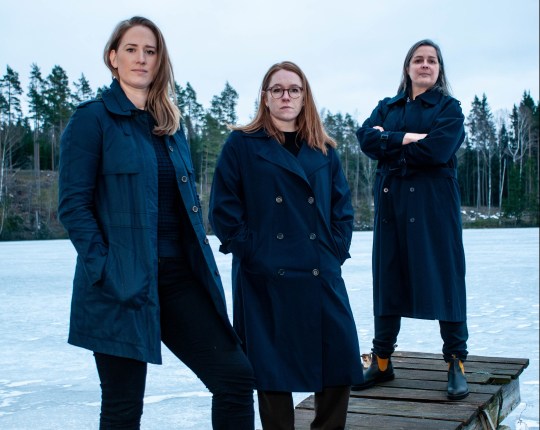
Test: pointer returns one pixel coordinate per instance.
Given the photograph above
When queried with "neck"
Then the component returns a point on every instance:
(136, 96)
(285, 125)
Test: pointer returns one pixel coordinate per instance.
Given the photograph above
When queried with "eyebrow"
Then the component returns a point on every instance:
(145, 46)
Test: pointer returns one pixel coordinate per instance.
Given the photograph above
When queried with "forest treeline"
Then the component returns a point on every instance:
(498, 162)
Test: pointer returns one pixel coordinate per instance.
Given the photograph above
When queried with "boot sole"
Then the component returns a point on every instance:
(366, 385)
(457, 396)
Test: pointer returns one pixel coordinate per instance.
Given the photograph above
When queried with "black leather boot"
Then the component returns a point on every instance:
(457, 384)
(374, 374)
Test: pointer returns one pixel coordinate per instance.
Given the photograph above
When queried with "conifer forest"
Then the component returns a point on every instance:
(497, 164)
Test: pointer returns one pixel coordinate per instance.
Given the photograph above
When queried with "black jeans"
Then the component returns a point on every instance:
(453, 334)
(192, 329)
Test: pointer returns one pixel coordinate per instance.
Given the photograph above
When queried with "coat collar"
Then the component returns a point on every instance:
(430, 97)
(116, 101)
(304, 165)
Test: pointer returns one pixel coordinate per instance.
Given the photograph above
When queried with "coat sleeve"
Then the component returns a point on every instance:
(80, 155)
(227, 211)
(342, 221)
(379, 145)
(443, 139)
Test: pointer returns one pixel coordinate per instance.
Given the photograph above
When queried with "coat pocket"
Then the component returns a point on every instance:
(126, 279)
(120, 156)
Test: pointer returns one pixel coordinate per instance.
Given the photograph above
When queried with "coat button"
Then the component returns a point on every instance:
(183, 179)
(412, 220)
(279, 199)
(195, 209)
(311, 200)
(411, 189)
(315, 272)
(281, 272)
(206, 241)
(280, 236)
(216, 272)
(312, 236)
(385, 190)
(171, 148)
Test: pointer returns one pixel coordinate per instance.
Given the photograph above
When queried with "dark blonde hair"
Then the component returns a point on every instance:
(441, 84)
(310, 127)
(159, 102)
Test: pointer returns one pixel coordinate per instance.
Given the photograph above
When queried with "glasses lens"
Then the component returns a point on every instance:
(295, 92)
(276, 92)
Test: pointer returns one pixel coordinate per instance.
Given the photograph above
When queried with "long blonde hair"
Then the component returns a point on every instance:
(159, 103)
(310, 127)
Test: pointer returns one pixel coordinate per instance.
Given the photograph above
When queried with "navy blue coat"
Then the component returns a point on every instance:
(108, 204)
(288, 222)
(418, 257)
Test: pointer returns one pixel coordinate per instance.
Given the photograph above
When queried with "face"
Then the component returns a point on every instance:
(286, 109)
(423, 69)
(136, 58)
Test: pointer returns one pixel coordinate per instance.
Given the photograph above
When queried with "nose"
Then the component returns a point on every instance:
(142, 57)
(286, 95)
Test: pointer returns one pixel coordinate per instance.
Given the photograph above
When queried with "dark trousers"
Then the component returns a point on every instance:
(192, 329)
(453, 334)
(276, 409)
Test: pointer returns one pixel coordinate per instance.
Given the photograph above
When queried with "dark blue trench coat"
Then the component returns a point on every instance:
(108, 204)
(418, 257)
(288, 222)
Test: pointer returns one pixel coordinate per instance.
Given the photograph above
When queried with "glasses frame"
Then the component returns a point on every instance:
(271, 89)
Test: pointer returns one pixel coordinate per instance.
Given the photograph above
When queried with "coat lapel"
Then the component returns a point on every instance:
(311, 160)
(274, 153)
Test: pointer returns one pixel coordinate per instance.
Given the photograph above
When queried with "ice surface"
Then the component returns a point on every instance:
(47, 384)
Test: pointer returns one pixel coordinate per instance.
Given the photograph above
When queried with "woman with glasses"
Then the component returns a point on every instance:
(281, 205)
(418, 257)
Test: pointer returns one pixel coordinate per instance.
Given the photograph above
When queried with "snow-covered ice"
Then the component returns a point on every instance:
(47, 384)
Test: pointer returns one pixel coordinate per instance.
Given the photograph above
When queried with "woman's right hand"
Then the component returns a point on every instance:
(412, 137)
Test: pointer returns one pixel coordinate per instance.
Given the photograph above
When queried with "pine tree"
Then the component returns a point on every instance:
(36, 106)
(83, 90)
(482, 136)
(58, 108)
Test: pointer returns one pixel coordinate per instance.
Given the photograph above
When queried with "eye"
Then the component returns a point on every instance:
(295, 91)
(150, 52)
(276, 91)
(130, 49)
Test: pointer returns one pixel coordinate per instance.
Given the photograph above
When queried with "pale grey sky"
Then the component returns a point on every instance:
(351, 50)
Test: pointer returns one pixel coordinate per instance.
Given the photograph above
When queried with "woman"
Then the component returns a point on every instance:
(280, 203)
(145, 272)
(418, 258)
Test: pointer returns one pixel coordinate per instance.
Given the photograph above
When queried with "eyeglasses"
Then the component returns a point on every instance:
(277, 92)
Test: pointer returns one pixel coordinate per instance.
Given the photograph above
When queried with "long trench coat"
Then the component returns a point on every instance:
(288, 222)
(108, 204)
(418, 256)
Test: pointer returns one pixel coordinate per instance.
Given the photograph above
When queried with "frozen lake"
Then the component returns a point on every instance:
(47, 384)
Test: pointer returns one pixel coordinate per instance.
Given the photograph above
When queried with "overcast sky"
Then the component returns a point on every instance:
(351, 50)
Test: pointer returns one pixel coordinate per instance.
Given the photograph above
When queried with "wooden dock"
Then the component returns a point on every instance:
(416, 399)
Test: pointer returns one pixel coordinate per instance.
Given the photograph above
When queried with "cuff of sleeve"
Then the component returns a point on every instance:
(395, 140)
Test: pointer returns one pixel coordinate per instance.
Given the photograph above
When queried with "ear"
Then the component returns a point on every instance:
(112, 58)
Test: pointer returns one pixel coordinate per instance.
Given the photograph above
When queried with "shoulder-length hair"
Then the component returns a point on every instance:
(310, 127)
(441, 84)
(159, 103)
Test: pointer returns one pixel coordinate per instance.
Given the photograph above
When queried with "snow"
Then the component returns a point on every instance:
(47, 384)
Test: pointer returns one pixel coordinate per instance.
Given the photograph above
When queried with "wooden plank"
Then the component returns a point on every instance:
(436, 411)
(304, 417)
